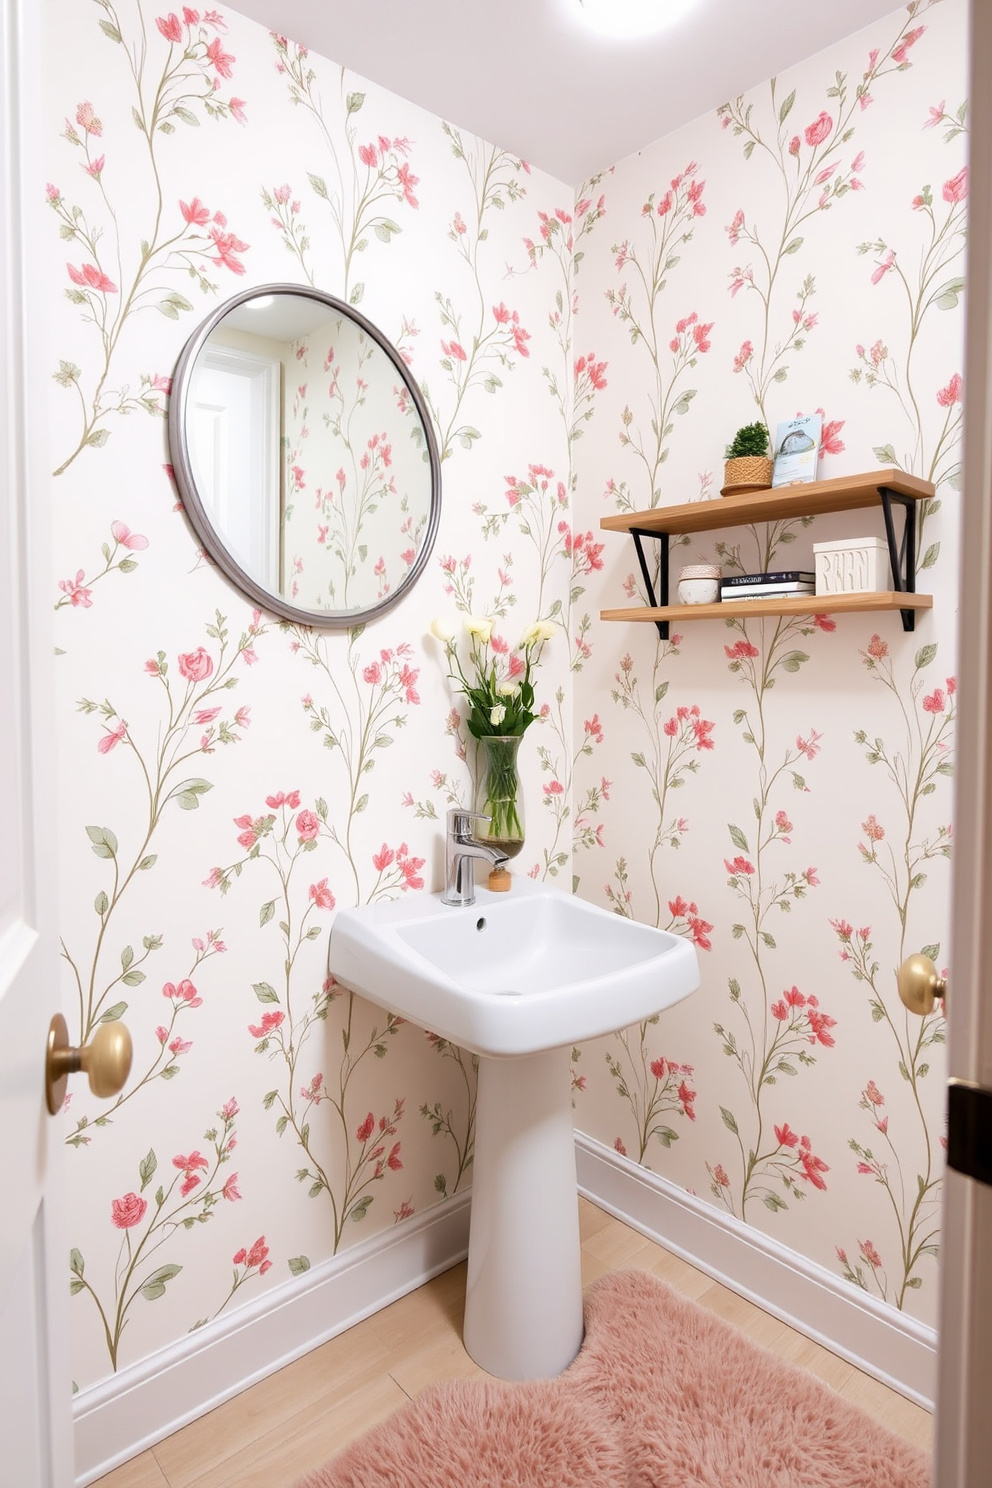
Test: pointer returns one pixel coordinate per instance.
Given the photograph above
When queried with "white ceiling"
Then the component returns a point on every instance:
(529, 76)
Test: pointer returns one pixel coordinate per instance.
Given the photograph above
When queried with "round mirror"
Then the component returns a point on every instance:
(304, 455)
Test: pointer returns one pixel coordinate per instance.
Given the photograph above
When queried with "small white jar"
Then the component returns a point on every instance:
(699, 583)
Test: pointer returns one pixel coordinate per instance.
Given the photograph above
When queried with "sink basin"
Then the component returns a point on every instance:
(514, 973)
(517, 979)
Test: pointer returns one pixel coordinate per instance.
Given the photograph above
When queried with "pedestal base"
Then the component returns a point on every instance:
(523, 1306)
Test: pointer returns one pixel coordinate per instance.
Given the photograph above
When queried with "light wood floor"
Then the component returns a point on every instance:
(270, 1434)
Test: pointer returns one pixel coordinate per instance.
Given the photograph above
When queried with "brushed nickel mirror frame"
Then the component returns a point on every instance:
(214, 542)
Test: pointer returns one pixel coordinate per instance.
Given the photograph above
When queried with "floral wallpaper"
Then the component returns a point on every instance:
(779, 793)
(779, 788)
(227, 781)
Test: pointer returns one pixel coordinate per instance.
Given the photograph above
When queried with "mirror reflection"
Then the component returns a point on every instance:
(305, 455)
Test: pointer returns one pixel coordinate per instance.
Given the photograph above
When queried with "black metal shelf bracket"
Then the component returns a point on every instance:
(902, 556)
(661, 599)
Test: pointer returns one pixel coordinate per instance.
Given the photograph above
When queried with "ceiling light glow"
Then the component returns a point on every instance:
(619, 18)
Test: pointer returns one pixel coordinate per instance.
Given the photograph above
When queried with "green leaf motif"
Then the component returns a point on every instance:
(946, 298)
(266, 912)
(931, 555)
(924, 656)
(76, 1263)
(147, 1167)
(265, 993)
(794, 246)
(728, 1120)
(298, 1264)
(737, 838)
(794, 661)
(187, 794)
(885, 454)
(103, 840)
(112, 1014)
(155, 1285)
(101, 903)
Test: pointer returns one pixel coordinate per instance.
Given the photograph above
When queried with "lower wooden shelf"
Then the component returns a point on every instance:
(800, 604)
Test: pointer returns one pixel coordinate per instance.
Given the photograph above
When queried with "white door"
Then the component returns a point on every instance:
(963, 1457)
(233, 413)
(35, 1437)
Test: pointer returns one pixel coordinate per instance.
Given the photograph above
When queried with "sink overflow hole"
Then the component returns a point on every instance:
(480, 923)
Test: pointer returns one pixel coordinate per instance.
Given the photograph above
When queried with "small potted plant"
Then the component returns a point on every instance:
(749, 465)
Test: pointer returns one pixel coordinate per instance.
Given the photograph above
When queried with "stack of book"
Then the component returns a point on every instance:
(768, 585)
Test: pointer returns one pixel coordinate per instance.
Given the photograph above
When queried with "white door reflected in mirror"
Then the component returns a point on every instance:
(304, 455)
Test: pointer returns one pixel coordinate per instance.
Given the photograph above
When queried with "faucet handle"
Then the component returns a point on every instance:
(460, 820)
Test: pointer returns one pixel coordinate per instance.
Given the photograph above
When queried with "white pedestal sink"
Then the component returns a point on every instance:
(516, 979)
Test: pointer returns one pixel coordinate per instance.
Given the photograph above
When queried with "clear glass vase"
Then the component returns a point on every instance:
(498, 794)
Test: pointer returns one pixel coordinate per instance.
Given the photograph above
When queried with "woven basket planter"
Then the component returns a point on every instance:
(746, 473)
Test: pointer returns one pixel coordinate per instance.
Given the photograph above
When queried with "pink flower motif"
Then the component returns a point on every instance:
(619, 1147)
(738, 866)
(78, 595)
(883, 267)
(170, 27)
(122, 534)
(745, 354)
(720, 1175)
(227, 246)
(554, 788)
(740, 650)
(785, 1137)
(372, 673)
(452, 349)
(877, 648)
(220, 59)
(284, 798)
(869, 1254)
(813, 1166)
(910, 39)
(180, 1046)
(872, 830)
(127, 1212)
(87, 120)
(368, 155)
(195, 212)
(794, 145)
(230, 1190)
(237, 107)
(820, 1023)
(952, 393)
(321, 895)
(780, 1011)
(809, 747)
(307, 826)
(366, 1129)
(205, 715)
(935, 702)
(734, 230)
(824, 622)
(408, 181)
(112, 738)
(90, 277)
(594, 729)
(195, 666)
(185, 994)
(819, 130)
(830, 443)
(270, 1021)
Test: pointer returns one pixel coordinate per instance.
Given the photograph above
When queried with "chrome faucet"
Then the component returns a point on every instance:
(460, 852)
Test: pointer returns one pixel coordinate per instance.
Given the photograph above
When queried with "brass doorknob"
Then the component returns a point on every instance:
(106, 1060)
(919, 985)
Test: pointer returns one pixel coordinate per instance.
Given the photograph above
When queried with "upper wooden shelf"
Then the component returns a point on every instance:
(844, 493)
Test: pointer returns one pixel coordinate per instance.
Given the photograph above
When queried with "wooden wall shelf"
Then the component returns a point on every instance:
(785, 504)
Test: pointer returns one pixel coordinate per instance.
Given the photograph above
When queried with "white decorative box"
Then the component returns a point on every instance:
(857, 565)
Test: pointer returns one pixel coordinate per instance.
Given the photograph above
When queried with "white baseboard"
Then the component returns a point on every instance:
(145, 1402)
(876, 1338)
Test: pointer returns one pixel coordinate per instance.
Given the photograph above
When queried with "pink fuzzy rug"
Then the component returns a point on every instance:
(663, 1394)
